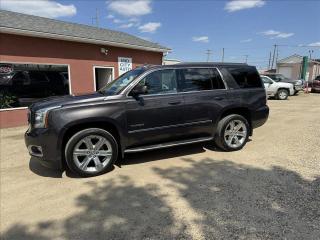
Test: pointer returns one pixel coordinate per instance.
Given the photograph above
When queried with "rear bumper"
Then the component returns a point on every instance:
(260, 116)
(43, 147)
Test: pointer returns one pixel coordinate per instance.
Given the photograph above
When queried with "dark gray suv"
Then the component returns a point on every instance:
(148, 108)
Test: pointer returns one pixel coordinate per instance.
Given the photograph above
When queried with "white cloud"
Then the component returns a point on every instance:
(127, 25)
(110, 16)
(276, 34)
(130, 8)
(116, 20)
(246, 40)
(150, 27)
(43, 8)
(315, 44)
(204, 39)
(237, 5)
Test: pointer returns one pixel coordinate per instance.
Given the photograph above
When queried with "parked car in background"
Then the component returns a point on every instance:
(150, 107)
(279, 90)
(277, 77)
(315, 84)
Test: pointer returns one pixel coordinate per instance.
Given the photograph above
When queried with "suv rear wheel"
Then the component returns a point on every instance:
(232, 132)
(282, 94)
(91, 152)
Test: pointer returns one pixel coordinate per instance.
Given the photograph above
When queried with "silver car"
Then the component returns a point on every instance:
(279, 90)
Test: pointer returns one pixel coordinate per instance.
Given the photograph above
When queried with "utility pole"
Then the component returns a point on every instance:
(310, 54)
(277, 57)
(269, 65)
(274, 55)
(209, 53)
(222, 60)
(246, 58)
(96, 18)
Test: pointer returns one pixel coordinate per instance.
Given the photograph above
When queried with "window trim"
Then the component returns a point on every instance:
(135, 82)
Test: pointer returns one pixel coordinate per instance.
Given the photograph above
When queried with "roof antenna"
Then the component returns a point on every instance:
(96, 18)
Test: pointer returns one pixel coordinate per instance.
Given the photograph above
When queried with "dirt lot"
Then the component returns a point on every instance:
(268, 190)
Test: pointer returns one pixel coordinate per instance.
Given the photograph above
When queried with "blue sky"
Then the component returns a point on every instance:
(191, 27)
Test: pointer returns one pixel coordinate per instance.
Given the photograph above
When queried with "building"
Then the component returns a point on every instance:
(41, 57)
(170, 61)
(291, 67)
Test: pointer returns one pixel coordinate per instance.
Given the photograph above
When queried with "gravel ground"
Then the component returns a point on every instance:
(268, 190)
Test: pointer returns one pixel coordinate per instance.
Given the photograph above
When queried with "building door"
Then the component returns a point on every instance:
(102, 76)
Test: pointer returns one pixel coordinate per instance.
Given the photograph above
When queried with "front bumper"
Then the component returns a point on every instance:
(298, 87)
(42, 145)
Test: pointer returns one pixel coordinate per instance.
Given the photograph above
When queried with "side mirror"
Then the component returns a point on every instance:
(138, 90)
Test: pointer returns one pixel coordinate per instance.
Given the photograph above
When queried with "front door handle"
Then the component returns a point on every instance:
(174, 103)
(218, 98)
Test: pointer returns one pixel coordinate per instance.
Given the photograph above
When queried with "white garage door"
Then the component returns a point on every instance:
(286, 71)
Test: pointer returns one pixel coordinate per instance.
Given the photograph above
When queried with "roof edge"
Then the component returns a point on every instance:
(23, 32)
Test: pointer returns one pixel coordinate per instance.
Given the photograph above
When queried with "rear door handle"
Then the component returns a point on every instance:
(174, 103)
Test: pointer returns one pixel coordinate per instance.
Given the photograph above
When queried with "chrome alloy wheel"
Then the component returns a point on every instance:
(92, 153)
(235, 133)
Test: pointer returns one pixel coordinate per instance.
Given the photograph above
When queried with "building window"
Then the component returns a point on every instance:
(23, 84)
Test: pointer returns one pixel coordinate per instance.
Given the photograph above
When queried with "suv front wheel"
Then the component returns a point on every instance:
(91, 152)
(232, 132)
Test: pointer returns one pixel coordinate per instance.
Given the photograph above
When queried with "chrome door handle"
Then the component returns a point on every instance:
(174, 103)
(218, 98)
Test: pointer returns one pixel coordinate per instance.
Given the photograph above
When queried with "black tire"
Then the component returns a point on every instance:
(220, 140)
(75, 139)
(282, 94)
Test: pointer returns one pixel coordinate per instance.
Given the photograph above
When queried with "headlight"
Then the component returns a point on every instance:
(298, 82)
(41, 116)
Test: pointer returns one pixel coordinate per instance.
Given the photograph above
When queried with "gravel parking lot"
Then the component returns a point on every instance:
(268, 190)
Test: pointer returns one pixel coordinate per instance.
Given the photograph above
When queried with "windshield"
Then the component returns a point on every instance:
(116, 86)
(277, 77)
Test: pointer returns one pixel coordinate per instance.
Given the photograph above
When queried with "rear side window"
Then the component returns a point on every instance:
(246, 77)
(199, 79)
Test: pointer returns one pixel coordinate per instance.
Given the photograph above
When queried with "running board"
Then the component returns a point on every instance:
(166, 145)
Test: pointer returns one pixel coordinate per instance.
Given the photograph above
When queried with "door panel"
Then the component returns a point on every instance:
(154, 119)
(202, 109)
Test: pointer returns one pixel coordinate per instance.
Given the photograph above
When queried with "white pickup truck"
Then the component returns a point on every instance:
(279, 90)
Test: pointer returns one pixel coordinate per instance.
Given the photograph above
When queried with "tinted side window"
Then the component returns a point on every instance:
(217, 82)
(160, 82)
(246, 77)
(197, 79)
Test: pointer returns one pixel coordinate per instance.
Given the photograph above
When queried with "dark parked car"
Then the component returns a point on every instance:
(148, 108)
(297, 84)
(315, 84)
